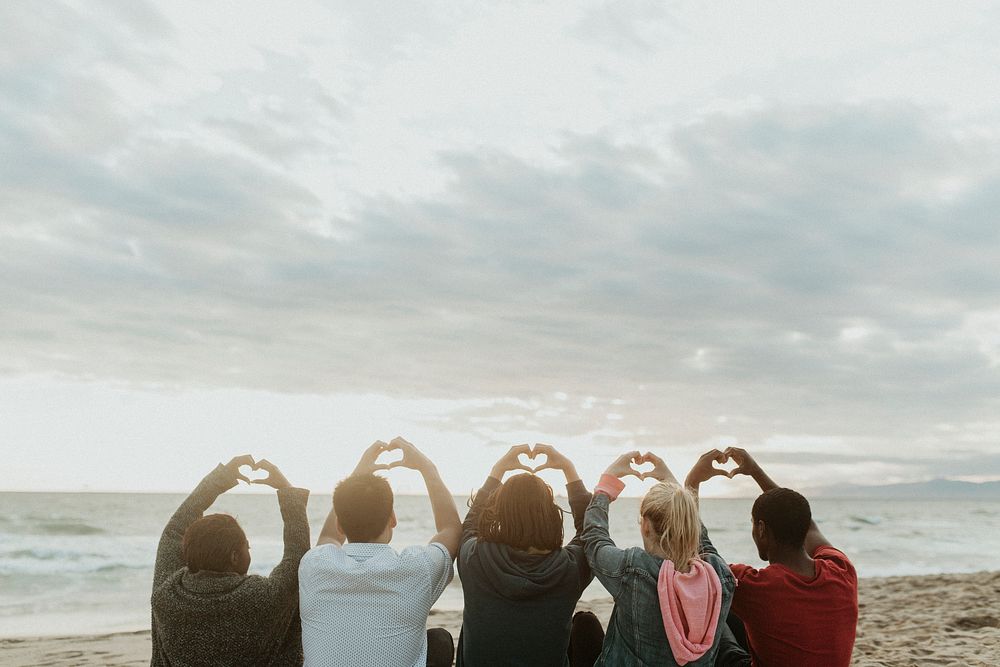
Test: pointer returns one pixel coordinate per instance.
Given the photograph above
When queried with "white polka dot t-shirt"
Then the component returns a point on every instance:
(365, 604)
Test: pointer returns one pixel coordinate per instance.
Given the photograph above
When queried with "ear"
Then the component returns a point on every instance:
(644, 526)
(392, 519)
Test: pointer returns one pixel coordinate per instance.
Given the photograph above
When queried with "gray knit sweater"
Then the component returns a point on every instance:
(216, 618)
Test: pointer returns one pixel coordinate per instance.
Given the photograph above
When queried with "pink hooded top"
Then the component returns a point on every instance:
(690, 603)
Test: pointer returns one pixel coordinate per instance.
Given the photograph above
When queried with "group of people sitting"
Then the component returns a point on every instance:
(354, 600)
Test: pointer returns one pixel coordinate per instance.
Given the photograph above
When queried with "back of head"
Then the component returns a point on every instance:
(785, 513)
(672, 513)
(363, 504)
(523, 514)
(210, 542)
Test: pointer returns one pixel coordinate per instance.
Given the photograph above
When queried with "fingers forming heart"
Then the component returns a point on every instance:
(387, 458)
(532, 460)
(252, 473)
(642, 467)
(719, 467)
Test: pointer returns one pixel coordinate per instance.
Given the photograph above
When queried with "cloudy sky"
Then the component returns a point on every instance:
(294, 229)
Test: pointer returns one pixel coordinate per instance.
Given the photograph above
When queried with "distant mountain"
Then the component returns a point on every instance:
(935, 488)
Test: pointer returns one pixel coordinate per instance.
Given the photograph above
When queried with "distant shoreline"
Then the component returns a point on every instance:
(937, 489)
(904, 620)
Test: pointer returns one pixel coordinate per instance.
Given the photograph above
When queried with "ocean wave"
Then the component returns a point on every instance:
(53, 561)
(68, 528)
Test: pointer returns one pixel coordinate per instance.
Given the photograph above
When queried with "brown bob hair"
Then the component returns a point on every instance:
(363, 505)
(522, 513)
(209, 543)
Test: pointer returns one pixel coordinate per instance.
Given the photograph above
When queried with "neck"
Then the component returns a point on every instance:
(795, 559)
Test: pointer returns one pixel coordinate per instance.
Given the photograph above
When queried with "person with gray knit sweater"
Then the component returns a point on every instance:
(206, 609)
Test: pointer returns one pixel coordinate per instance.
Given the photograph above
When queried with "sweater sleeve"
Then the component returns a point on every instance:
(579, 500)
(470, 527)
(283, 582)
(169, 557)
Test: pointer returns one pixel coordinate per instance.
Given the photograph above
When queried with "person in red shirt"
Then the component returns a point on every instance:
(802, 609)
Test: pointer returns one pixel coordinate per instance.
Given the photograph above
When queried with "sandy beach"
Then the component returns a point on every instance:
(946, 620)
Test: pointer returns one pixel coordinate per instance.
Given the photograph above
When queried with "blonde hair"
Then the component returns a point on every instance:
(673, 515)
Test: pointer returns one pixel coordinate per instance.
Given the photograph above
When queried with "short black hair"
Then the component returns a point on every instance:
(363, 504)
(786, 514)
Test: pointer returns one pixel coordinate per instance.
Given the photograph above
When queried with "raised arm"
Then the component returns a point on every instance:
(703, 470)
(284, 578)
(748, 466)
(576, 491)
(606, 560)
(446, 520)
(169, 556)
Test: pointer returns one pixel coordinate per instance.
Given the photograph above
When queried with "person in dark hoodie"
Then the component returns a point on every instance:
(520, 583)
(673, 594)
(206, 609)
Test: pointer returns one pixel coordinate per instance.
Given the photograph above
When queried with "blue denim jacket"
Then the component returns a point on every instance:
(635, 633)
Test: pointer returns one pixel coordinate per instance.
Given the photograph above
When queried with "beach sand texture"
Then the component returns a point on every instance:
(946, 620)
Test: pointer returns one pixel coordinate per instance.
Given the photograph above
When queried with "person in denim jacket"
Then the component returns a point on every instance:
(673, 595)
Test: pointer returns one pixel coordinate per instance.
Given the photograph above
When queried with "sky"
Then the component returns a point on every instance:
(292, 228)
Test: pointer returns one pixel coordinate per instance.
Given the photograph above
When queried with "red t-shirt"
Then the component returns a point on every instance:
(793, 621)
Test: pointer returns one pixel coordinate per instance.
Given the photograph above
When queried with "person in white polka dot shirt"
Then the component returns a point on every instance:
(362, 603)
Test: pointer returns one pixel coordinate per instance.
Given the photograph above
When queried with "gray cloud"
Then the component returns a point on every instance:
(793, 270)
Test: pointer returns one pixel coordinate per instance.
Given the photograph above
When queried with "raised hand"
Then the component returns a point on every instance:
(704, 470)
(367, 464)
(745, 464)
(555, 460)
(622, 466)
(660, 470)
(233, 467)
(510, 461)
(413, 458)
(275, 478)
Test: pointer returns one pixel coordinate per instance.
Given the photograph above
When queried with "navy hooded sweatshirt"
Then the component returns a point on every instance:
(519, 606)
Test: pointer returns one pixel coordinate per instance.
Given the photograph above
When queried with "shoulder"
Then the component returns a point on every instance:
(433, 553)
(640, 561)
(831, 558)
(744, 572)
(166, 587)
(313, 558)
(718, 563)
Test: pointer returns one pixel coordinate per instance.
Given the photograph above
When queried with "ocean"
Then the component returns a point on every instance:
(82, 563)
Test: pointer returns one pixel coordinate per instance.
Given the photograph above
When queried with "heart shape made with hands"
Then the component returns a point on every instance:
(636, 465)
(726, 466)
(533, 459)
(388, 451)
(254, 473)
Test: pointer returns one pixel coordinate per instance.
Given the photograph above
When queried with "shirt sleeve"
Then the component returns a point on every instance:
(440, 565)
(740, 570)
(837, 558)
(740, 595)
